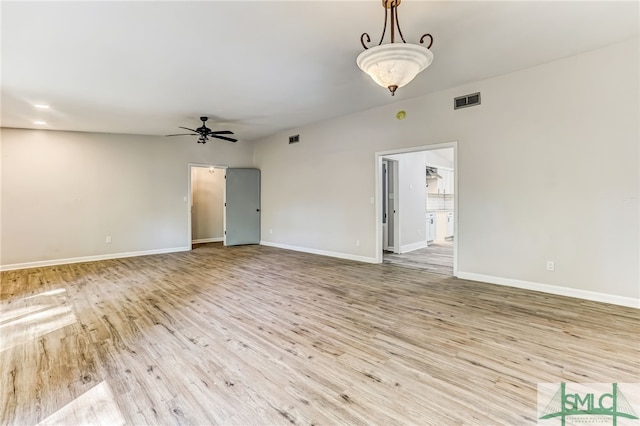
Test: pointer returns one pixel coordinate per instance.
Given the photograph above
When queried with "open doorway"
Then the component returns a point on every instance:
(425, 208)
(389, 206)
(206, 204)
(223, 205)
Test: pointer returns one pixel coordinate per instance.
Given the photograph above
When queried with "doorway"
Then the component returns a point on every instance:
(233, 215)
(389, 206)
(206, 203)
(417, 242)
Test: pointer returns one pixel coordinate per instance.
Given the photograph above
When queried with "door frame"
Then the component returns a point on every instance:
(189, 199)
(378, 156)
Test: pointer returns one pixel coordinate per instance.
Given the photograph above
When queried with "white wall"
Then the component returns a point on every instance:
(207, 197)
(64, 192)
(527, 190)
(412, 200)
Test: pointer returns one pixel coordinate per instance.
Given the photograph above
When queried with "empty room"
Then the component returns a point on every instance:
(320, 213)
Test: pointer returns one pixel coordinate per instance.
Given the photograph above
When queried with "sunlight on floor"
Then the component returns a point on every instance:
(32, 317)
(94, 407)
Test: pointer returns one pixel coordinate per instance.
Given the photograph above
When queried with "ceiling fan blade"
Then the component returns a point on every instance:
(224, 137)
(186, 128)
(222, 132)
(184, 134)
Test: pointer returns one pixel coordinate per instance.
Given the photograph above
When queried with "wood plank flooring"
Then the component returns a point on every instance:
(437, 258)
(256, 335)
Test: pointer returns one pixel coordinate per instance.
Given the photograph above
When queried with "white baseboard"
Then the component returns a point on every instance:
(55, 262)
(321, 252)
(552, 289)
(411, 247)
(207, 240)
(527, 285)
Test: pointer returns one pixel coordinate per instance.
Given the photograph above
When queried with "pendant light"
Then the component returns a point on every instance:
(393, 65)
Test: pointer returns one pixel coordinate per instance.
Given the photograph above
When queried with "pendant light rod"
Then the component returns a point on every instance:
(391, 6)
(393, 19)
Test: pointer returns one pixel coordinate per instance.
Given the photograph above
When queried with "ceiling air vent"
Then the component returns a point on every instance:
(466, 101)
(294, 139)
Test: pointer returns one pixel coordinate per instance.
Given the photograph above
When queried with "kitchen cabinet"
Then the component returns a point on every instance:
(443, 185)
(449, 230)
(444, 225)
(449, 186)
(431, 227)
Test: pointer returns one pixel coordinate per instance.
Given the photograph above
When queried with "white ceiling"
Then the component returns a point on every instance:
(261, 67)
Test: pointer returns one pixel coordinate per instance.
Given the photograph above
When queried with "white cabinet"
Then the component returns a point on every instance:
(431, 226)
(444, 185)
(448, 183)
(449, 231)
(444, 226)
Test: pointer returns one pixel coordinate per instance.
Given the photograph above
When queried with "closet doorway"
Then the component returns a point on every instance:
(206, 219)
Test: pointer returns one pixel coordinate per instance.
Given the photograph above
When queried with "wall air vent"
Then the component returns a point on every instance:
(466, 101)
(294, 139)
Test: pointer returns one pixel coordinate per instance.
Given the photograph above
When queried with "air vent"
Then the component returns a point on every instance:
(294, 139)
(466, 101)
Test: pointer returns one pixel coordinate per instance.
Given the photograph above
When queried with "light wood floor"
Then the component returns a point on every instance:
(262, 336)
(437, 258)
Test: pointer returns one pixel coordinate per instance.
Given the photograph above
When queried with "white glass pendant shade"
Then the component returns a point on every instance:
(394, 65)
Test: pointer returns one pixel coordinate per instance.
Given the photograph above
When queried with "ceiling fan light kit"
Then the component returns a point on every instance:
(394, 65)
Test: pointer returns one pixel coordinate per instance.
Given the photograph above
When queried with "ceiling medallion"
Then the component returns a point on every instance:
(394, 65)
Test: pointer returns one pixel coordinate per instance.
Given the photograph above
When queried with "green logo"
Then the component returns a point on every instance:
(592, 403)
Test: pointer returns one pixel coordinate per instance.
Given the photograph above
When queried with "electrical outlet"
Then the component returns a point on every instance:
(108, 240)
(270, 231)
(550, 265)
(357, 243)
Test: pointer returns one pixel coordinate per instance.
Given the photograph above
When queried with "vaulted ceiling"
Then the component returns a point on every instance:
(261, 67)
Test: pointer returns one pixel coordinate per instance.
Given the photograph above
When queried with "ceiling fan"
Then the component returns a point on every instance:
(204, 133)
